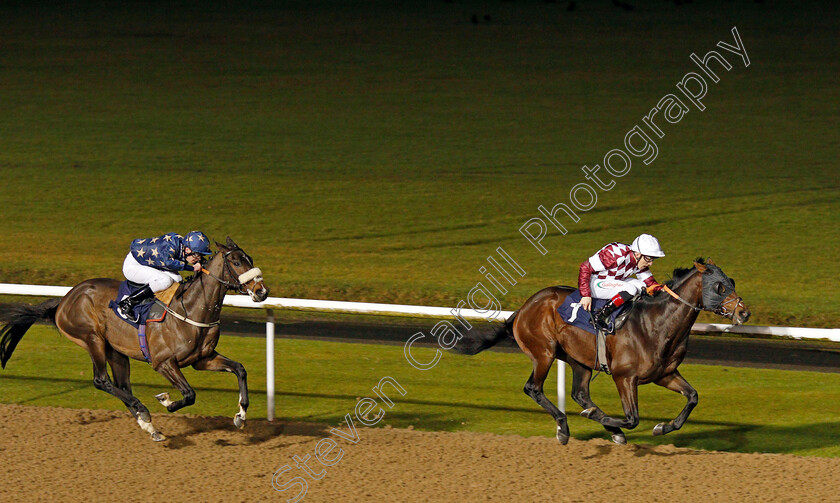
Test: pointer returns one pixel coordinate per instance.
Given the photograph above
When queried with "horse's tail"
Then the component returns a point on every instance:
(477, 341)
(17, 318)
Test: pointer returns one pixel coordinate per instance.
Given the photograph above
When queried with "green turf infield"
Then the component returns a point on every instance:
(380, 151)
(740, 410)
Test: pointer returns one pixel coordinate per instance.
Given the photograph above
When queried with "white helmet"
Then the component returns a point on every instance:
(647, 245)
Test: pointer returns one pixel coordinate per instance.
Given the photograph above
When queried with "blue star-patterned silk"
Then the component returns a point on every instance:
(163, 252)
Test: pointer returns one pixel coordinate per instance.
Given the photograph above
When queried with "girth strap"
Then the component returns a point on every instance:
(144, 346)
(601, 352)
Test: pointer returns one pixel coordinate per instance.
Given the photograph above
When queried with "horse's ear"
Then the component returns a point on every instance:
(709, 261)
(221, 247)
(230, 243)
(700, 267)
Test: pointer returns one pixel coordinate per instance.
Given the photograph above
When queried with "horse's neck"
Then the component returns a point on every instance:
(691, 290)
(204, 296)
(681, 315)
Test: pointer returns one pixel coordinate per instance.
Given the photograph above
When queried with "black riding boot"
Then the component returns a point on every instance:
(600, 316)
(126, 305)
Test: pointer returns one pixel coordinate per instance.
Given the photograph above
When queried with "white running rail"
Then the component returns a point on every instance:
(333, 306)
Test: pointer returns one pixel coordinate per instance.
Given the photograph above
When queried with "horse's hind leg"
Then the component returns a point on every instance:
(120, 368)
(98, 350)
(216, 362)
(581, 376)
(534, 389)
(169, 369)
(676, 382)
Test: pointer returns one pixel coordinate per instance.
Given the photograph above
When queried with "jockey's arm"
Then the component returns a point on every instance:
(172, 263)
(652, 285)
(601, 261)
(584, 275)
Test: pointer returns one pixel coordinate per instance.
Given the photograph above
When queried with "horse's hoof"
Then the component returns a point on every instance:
(163, 398)
(659, 429)
(588, 412)
(619, 439)
(158, 437)
(238, 421)
(562, 437)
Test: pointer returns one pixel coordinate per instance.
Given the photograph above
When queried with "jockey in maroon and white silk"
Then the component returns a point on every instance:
(607, 274)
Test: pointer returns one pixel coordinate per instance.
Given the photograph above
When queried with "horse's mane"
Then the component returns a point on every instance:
(679, 275)
(189, 279)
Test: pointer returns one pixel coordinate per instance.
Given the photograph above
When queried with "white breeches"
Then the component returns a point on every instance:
(156, 279)
(609, 288)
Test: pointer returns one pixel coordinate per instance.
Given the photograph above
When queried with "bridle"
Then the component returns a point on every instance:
(723, 308)
(254, 274)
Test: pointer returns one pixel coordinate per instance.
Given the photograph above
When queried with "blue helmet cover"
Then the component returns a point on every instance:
(198, 242)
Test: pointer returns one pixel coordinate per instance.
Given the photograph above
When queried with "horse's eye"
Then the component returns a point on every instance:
(237, 263)
(720, 289)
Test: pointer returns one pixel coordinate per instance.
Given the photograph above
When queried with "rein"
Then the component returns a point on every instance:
(723, 310)
(674, 295)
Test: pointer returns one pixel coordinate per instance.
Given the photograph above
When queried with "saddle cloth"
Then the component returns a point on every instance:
(147, 312)
(574, 314)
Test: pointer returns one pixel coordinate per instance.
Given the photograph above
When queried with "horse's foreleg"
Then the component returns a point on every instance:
(581, 376)
(629, 393)
(218, 363)
(99, 353)
(169, 369)
(534, 389)
(676, 382)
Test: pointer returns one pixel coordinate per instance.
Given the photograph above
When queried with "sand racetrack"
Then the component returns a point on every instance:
(54, 454)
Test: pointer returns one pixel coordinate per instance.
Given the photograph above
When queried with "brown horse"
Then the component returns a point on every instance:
(187, 336)
(647, 349)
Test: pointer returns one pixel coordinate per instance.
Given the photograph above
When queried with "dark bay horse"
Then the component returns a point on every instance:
(83, 316)
(647, 349)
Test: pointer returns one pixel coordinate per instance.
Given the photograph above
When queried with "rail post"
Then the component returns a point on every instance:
(269, 364)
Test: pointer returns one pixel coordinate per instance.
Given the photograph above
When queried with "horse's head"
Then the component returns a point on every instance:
(719, 295)
(240, 272)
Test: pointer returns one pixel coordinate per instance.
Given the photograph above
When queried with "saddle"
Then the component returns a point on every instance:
(149, 311)
(573, 313)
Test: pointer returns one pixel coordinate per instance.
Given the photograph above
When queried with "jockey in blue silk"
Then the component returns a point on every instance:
(156, 263)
